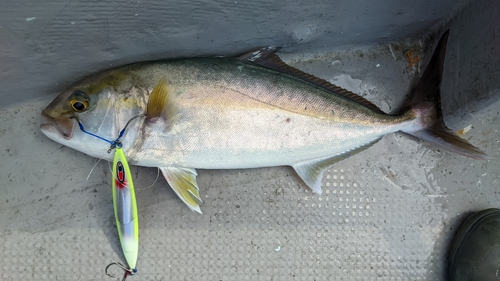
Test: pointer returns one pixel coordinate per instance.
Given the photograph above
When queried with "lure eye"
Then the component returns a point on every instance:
(120, 167)
(79, 106)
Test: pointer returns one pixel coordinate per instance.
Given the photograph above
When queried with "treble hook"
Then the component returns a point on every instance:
(128, 271)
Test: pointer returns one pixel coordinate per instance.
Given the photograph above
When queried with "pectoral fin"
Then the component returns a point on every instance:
(161, 104)
(183, 182)
(311, 172)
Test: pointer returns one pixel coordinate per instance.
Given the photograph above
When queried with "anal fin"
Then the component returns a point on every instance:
(183, 182)
(311, 172)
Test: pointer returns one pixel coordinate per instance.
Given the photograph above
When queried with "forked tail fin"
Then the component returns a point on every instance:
(425, 101)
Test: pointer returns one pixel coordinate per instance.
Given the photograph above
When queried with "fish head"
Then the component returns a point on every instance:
(102, 104)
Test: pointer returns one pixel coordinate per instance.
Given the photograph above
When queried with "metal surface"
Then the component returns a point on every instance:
(388, 213)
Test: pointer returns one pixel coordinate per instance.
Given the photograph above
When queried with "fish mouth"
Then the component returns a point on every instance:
(63, 125)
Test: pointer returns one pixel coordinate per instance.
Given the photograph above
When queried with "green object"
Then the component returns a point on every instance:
(125, 207)
(475, 251)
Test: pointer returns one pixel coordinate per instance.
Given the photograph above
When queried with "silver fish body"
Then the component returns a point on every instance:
(236, 115)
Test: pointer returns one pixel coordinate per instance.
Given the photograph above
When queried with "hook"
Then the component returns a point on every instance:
(128, 271)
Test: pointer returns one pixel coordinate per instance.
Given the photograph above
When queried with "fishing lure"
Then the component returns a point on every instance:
(125, 207)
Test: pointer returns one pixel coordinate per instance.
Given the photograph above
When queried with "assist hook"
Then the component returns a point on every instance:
(128, 271)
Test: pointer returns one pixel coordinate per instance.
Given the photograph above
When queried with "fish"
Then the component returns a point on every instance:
(238, 113)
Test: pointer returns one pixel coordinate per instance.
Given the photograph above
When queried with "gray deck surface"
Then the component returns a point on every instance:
(388, 213)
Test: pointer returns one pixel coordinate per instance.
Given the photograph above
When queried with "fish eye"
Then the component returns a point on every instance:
(79, 102)
(79, 105)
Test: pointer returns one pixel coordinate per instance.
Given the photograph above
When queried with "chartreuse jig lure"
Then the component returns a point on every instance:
(125, 207)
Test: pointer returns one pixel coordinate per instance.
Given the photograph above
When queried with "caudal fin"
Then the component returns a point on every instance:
(426, 99)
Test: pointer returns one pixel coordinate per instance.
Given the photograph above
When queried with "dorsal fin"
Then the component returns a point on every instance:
(267, 58)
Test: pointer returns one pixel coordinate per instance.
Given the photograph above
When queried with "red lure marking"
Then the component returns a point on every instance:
(120, 176)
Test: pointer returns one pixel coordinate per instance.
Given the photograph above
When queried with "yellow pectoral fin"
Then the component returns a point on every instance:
(183, 182)
(161, 104)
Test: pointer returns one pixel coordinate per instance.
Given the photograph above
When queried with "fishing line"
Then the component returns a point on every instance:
(95, 165)
(155, 181)
(111, 170)
(116, 142)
